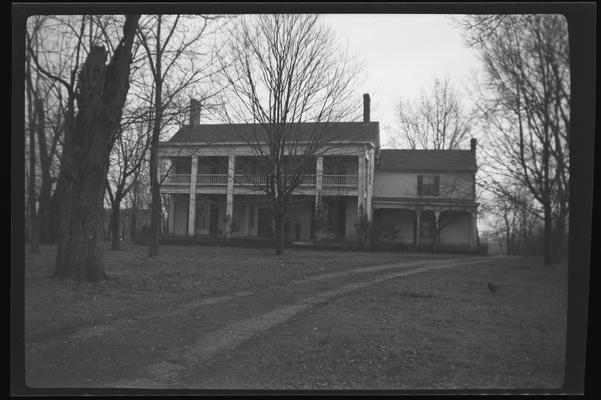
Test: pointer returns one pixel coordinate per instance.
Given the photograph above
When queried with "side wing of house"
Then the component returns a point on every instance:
(422, 195)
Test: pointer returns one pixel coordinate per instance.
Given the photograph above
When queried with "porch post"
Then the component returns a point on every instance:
(192, 204)
(361, 185)
(229, 201)
(370, 184)
(159, 168)
(436, 226)
(418, 225)
(318, 191)
(171, 215)
(474, 230)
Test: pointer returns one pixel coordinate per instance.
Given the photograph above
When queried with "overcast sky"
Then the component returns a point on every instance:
(401, 54)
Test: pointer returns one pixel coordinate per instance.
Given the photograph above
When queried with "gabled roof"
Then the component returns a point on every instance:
(426, 160)
(352, 132)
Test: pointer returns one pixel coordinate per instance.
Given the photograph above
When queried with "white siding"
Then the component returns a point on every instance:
(404, 184)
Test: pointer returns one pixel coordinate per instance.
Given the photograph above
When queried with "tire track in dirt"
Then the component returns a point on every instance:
(90, 332)
(168, 372)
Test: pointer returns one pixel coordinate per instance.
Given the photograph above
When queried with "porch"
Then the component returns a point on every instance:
(251, 218)
(416, 227)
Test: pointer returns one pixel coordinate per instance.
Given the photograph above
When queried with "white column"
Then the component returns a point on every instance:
(229, 201)
(361, 184)
(318, 192)
(418, 222)
(192, 204)
(370, 184)
(474, 230)
(171, 214)
(436, 226)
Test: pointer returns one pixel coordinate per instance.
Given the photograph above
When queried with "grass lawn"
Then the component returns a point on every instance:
(139, 283)
(436, 330)
(441, 329)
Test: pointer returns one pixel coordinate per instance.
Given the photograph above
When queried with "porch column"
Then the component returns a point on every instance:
(318, 191)
(361, 185)
(159, 168)
(171, 215)
(474, 230)
(192, 204)
(370, 184)
(229, 201)
(436, 226)
(418, 225)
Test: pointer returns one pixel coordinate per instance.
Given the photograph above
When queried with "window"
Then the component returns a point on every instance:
(428, 185)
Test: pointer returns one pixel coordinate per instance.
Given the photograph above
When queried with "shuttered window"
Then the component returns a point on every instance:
(428, 185)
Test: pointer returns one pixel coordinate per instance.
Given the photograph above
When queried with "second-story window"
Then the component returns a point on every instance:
(428, 185)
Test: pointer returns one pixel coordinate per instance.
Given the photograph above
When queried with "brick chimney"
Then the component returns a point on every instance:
(366, 107)
(194, 112)
(473, 143)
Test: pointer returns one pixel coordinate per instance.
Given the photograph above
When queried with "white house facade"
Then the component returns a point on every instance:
(212, 181)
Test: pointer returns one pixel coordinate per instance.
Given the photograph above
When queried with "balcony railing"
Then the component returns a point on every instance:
(249, 180)
(253, 180)
(340, 180)
(177, 179)
(211, 179)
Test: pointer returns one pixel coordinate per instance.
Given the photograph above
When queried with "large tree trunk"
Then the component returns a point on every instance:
(102, 92)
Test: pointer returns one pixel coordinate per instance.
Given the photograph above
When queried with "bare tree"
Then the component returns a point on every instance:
(177, 62)
(102, 90)
(525, 104)
(437, 120)
(514, 222)
(287, 80)
(35, 120)
(128, 155)
(56, 47)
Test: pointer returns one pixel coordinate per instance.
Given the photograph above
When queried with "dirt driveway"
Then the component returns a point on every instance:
(166, 347)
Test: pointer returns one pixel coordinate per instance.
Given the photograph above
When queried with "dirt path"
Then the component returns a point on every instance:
(156, 349)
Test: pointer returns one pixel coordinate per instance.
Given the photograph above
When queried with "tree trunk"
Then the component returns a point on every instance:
(155, 212)
(279, 235)
(559, 243)
(102, 92)
(33, 226)
(134, 218)
(116, 226)
(44, 199)
(548, 236)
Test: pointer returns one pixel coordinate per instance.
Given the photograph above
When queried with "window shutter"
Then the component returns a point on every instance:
(419, 184)
(436, 185)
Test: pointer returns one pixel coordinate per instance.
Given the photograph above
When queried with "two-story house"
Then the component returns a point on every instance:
(212, 181)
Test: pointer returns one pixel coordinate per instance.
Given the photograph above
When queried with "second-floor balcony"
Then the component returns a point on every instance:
(347, 181)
